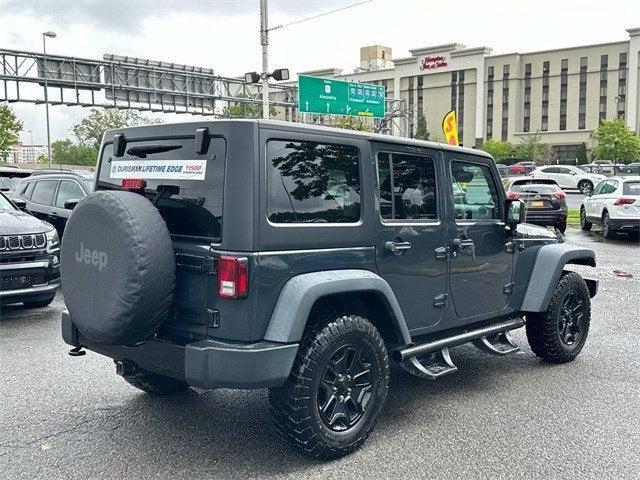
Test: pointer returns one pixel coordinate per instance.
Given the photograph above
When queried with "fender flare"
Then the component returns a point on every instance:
(299, 294)
(548, 267)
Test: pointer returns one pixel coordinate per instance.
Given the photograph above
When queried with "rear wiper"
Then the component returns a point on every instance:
(143, 150)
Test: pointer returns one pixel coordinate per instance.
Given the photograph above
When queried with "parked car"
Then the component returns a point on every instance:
(630, 168)
(318, 269)
(502, 169)
(10, 176)
(591, 168)
(521, 168)
(569, 177)
(50, 195)
(546, 203)
(605, 165)
(29, 258)
(614, 204)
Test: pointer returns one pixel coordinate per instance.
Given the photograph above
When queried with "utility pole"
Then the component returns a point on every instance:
(46, 88)
(264, 41)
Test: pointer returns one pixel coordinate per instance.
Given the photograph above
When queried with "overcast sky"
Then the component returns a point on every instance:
(223, 35)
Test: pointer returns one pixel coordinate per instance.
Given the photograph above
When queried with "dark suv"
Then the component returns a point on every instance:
(29, 258)
(51, 194)
(304, 259)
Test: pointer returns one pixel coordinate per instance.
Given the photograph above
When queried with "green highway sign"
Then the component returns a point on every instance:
(337, 97)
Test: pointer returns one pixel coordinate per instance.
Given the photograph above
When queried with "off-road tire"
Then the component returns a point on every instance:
(584, 224)
(543, 329)
(294, 405)
(39, 303)
(607, 231)
(154, 383)
(585, 186)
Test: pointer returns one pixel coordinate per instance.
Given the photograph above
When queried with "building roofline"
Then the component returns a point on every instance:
(447, 47)
(576, 47)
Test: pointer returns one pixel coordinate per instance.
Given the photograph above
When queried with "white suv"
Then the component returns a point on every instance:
(569, 176)
(614, 204)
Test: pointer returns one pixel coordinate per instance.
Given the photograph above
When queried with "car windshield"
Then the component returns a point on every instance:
(5, 204)
(533, 188)
(631, 188)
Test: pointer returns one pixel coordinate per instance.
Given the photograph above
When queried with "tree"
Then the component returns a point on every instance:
(498, 149)
(422, 132)
(532, 148)
(252, 109)
(581, 154)
(65, 152)
(361, 124)
(614, 141)
(90, 130)
(10, 128)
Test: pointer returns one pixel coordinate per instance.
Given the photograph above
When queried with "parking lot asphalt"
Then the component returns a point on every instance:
(497, 417)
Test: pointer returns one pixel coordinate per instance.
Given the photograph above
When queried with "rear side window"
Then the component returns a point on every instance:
(407, 186)
(43, 192)
(475, 194)
(631, 188)
(310, 182)
(69, 190)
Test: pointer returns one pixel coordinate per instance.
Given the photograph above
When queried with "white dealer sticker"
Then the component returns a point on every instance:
(160, 170)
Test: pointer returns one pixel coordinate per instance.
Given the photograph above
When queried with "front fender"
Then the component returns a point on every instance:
(549, 264)
(299, 294)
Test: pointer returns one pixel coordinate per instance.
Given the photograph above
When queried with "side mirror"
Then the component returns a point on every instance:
(20, 203)
(71, 204)
(515, 212)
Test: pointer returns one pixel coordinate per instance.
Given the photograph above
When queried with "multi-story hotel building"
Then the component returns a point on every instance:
(563, 93)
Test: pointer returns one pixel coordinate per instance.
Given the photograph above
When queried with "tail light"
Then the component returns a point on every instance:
(624, 201)
(511, 195)
(560, 195)
(233, 277)
(134, 184)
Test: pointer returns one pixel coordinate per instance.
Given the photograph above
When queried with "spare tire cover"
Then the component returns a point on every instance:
(117, 267)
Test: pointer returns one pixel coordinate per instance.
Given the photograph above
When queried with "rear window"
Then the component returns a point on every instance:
(631, 188)
(186, 187)
(310, 182)
(534, 187)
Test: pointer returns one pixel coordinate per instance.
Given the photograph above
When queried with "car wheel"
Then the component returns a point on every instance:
(337, 387)
(585, 187)
(558, 334)
(39, 303)
(584, 224)
(154, 383)
(607, 230)
(628, 170)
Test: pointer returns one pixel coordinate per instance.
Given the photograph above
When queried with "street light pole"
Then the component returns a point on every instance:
(264, 41)
(46, 93)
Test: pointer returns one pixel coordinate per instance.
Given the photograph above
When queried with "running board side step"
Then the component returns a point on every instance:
(489, 333)
(431, 365)
(498, 344)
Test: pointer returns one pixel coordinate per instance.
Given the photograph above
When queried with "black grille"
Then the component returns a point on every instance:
(16, 281)
(23, 242)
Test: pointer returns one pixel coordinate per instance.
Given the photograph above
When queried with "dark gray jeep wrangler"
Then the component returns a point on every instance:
(260, 254)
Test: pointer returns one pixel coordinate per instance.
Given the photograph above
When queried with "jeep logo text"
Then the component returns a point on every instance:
(92, 257)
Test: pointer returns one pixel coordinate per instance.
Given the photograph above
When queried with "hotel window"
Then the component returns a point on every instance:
(582, 98)
(410, 93)
(544, 123)
(622, 84)
(564, 73)
(460, 107)
(526, 124)
(490, 76)
(604, 67)
(420, 95)
(505, 102)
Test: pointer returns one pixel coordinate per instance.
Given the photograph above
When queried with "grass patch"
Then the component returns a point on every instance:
(573, 216)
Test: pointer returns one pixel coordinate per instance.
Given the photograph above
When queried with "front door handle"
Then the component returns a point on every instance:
(463, 243)
(397, 247)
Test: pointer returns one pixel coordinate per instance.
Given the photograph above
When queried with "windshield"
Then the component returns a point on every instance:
(186, 187)
(631, 188)
(5, 204)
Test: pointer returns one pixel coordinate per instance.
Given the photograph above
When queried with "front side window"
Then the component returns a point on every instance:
(310, 182)
(475, 193)
(69, 190)
(43, 192)
(407, 187)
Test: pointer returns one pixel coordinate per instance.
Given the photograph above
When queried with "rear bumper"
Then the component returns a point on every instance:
(204, 364)
(626, 224)
(546, 217)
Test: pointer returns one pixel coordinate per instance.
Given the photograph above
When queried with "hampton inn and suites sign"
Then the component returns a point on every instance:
(432, 62)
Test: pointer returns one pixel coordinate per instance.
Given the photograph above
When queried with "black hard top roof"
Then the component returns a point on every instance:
(297, 127)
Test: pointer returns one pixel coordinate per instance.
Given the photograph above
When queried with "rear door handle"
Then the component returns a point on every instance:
(397, 247)
(463, 243)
